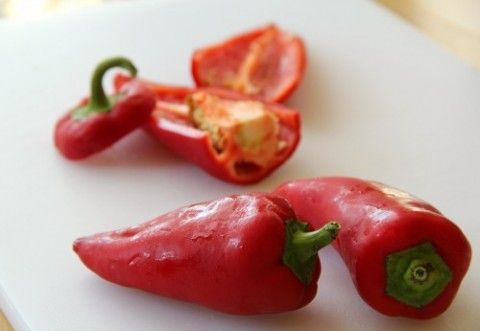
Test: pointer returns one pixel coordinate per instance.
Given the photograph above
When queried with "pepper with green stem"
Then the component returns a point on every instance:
(242, 254)
(405, 257)
(101, 120)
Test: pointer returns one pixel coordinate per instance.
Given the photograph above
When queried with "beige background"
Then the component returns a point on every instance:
(453, 24)
(4, 326)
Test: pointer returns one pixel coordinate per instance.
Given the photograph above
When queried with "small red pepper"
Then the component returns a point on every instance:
(242, 254)
(266, 62)
(404, 256)
(98, 122)
(232, 136)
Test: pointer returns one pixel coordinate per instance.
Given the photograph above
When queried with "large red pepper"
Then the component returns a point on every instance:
(404, 256)
(99, 121)
(266, 62)
(174, 126)
(243, 254)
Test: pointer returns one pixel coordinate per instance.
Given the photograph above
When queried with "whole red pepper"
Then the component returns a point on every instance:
(99, 121)
(404, 256)
(242, 254)
(172, 124)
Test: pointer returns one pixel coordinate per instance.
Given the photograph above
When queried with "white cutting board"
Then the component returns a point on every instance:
(379, 101)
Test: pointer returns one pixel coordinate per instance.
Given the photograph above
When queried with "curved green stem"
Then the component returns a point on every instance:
(302, 246)
(99, 102)
(416, 276)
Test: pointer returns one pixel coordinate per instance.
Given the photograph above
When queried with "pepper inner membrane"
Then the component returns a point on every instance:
(244, 131)
(260, 57)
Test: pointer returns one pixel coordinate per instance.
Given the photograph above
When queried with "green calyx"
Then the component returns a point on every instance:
(302, 246)
(99, 102)
(416, 276)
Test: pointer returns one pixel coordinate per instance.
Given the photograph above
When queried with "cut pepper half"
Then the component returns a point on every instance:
(267, 62)
(232, 136)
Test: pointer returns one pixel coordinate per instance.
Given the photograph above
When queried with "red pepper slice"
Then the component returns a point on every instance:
(404, 256)
(242, 254)
(232, 159)
(266, 62)
(99, 121)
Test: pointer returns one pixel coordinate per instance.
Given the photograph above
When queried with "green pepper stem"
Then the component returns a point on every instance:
(307, 244)
(98, 100)
(302, 246)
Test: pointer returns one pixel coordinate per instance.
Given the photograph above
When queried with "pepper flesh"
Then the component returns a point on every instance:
(247, 127)
(266, 62)
(391, 242)
(99, 121)
(175, 125)
(226, 254)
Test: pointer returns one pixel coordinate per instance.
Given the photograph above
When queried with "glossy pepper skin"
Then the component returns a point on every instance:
(179, 134)
(99, 121)
(227, 254)
(404, 256)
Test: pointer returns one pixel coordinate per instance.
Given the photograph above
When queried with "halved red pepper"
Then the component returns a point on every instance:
(266, 62)
(99, 121)
(405, 257)
(242, 254)
(232, 151)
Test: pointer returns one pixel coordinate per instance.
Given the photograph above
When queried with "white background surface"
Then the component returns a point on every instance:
(379, 101)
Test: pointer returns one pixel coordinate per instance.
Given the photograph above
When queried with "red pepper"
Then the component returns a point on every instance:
(404, 256)
(98, 122)
(243, 254)
(173, 124)
(266, 62)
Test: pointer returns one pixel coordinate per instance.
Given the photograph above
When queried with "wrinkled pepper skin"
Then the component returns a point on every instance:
(100, 120)
(225, 254)
(194, 145)
(378, 221)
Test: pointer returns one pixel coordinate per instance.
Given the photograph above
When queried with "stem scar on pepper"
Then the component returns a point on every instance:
(417, 275)
(99, 102)
(301, 247)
